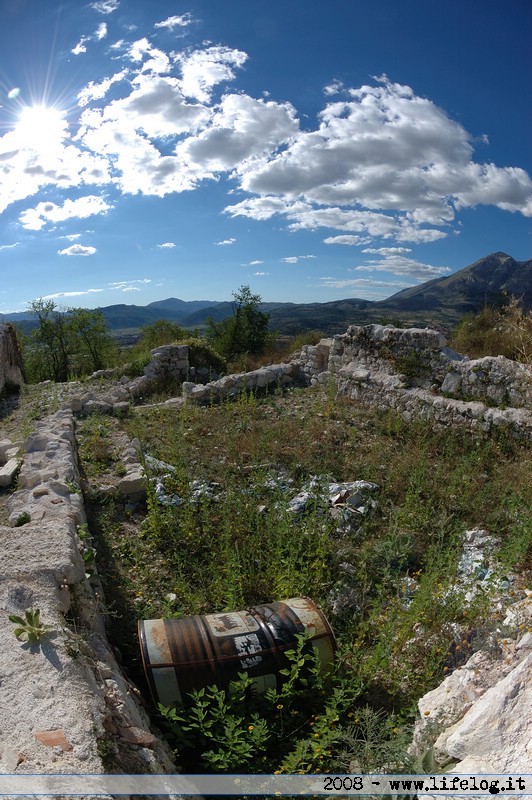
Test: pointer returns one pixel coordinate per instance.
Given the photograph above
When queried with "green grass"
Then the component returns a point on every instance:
(244, 548)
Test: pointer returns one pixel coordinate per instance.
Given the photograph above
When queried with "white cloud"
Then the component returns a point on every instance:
(260, 274)
(80, 47)
(340, 283)
(128, 286)
(167, 245)
(181, 21)
(226, 241)
(390, 152)
(383, 164)
(9, 246)
(77, 250)
(203, 69)
(295, 259)
(254, 263)
(335, 87)
(34, 219)
(95, 91)
(305, 216)
(70, 294)
(387, 251)
(404, 267)
(241, 130)
(31, 160)
(105, 6)
(157, 61)
(346, 239)
(99, 34)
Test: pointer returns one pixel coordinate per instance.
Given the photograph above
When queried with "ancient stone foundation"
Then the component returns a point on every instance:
(416, 373)
(66, 705)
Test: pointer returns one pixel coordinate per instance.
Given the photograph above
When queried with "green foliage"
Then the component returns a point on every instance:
(92, 345)
(246, 331)
(504, 330)
(48, 355)
(308, 337)
(202, 355)
(66, 342)
(516, 548)
(159, 333)
(414, 366)
(136, 363)
(29, 628)
(290, 729)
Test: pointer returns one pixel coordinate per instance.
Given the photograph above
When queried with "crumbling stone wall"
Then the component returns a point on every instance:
(66, 705)
(415, 372)
(275, 375)
(11, 370)
(411, 370)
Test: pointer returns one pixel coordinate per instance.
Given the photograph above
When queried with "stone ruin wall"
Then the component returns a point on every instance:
(67, 707)
(414, 372)
(10, 359)
(410, 370)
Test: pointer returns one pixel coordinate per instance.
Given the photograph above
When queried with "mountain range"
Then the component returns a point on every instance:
(440, 303)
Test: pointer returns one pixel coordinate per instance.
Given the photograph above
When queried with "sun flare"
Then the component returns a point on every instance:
(41, 127)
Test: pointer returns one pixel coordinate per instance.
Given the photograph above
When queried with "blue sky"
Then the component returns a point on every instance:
(312, 150)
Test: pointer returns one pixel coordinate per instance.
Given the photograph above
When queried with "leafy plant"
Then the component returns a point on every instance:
(29, 628)
(289, 729)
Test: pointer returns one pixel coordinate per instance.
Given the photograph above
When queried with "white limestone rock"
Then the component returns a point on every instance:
(495, 735)
(8, 472)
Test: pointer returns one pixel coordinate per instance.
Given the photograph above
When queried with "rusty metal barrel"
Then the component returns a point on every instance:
(180, 655)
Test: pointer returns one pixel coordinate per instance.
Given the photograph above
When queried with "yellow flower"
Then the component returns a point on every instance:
(251, 727)
(280, 706)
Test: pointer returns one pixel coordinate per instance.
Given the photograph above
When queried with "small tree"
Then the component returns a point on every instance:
(91, 341)
(64, 342)
(160, 332)
(246, 331)
(49, 345)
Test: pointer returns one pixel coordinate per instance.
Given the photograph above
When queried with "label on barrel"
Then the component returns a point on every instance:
(231, 624)
(246, 646)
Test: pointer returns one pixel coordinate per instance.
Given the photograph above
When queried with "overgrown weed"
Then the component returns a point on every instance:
(240, 546)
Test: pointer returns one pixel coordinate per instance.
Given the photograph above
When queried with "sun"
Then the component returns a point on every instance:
(41, 127)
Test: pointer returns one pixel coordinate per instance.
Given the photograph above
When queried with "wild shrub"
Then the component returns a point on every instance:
(504, 330)
(245, 332)
(159, 333)
(294, 728)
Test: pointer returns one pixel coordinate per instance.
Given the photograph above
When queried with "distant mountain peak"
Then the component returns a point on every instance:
(470, 289)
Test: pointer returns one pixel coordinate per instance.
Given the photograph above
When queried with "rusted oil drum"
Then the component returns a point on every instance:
(180, 655)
